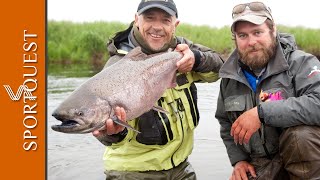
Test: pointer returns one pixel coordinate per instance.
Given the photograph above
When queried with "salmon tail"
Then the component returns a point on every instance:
(116, 120)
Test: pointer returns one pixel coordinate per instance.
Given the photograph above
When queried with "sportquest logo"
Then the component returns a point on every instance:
(22, 89)
(26, 92)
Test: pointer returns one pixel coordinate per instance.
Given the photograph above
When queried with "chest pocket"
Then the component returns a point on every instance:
(235, 106)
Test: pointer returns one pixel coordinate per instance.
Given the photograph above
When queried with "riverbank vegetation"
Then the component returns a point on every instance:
(85, 43)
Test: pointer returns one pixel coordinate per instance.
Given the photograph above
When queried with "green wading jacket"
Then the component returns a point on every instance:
(292, 82)
(166, 139)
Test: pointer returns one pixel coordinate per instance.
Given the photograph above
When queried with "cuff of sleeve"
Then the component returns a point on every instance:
(248, 159)
(197, 57)
(121, 135)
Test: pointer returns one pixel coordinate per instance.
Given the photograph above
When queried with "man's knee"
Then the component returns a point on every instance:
(302, 139)
(300, 151)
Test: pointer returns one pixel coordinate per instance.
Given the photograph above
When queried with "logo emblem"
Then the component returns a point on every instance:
(22, 89)
(314, 71)
(268, 96)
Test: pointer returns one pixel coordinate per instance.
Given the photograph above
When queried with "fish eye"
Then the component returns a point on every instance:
(80, 113)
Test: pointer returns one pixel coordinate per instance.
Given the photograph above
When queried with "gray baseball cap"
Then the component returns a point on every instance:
(256, 16)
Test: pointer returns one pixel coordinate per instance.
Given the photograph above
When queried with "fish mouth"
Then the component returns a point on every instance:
(68, 125)
(75, 126)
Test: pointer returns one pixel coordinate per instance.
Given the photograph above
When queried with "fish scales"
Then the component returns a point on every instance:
(135, 83)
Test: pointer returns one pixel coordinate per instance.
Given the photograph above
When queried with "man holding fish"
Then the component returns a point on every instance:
(165, 141)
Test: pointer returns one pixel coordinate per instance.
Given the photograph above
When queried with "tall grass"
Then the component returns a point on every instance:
(219, 39)
(85, 43)
(307, 39)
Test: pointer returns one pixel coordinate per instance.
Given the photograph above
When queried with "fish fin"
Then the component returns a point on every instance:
(173, 82)
(116, 120)
(160, 109)
(102, 126)
(136, 54)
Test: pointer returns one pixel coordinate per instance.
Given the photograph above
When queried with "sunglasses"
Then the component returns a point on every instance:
(253, 6)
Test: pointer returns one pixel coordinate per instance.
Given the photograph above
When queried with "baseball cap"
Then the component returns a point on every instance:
(254, 12)
(167, 5)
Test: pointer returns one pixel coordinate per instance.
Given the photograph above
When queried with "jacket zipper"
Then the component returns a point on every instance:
(262, 128)
(172, 162)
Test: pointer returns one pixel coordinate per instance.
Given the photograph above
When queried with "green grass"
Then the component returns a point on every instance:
(307, 39)
(82, 43)
(85, 43)
(219, 39)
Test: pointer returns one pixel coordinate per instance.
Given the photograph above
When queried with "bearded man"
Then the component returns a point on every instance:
(269, 101)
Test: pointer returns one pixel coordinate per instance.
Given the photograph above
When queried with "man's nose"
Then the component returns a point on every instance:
(252, 41)
(157, 25)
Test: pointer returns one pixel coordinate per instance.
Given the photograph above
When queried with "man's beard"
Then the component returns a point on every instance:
(258, 61)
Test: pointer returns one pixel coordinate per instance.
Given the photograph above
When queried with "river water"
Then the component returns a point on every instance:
(79, 156)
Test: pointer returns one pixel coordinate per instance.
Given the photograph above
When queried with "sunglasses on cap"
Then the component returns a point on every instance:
(253, 6)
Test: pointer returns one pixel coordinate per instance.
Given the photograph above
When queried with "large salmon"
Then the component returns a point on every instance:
(135, 83)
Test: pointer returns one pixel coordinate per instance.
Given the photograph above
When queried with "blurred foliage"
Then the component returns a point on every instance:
(85, 43)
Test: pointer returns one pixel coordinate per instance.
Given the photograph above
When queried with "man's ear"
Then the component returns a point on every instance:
(136, 19)
(177, 23)
(274, 30)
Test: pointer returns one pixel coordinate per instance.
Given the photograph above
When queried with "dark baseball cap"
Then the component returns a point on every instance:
(167, 5)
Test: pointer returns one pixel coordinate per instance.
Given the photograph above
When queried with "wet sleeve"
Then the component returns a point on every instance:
(304, 107)
(107, 140)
